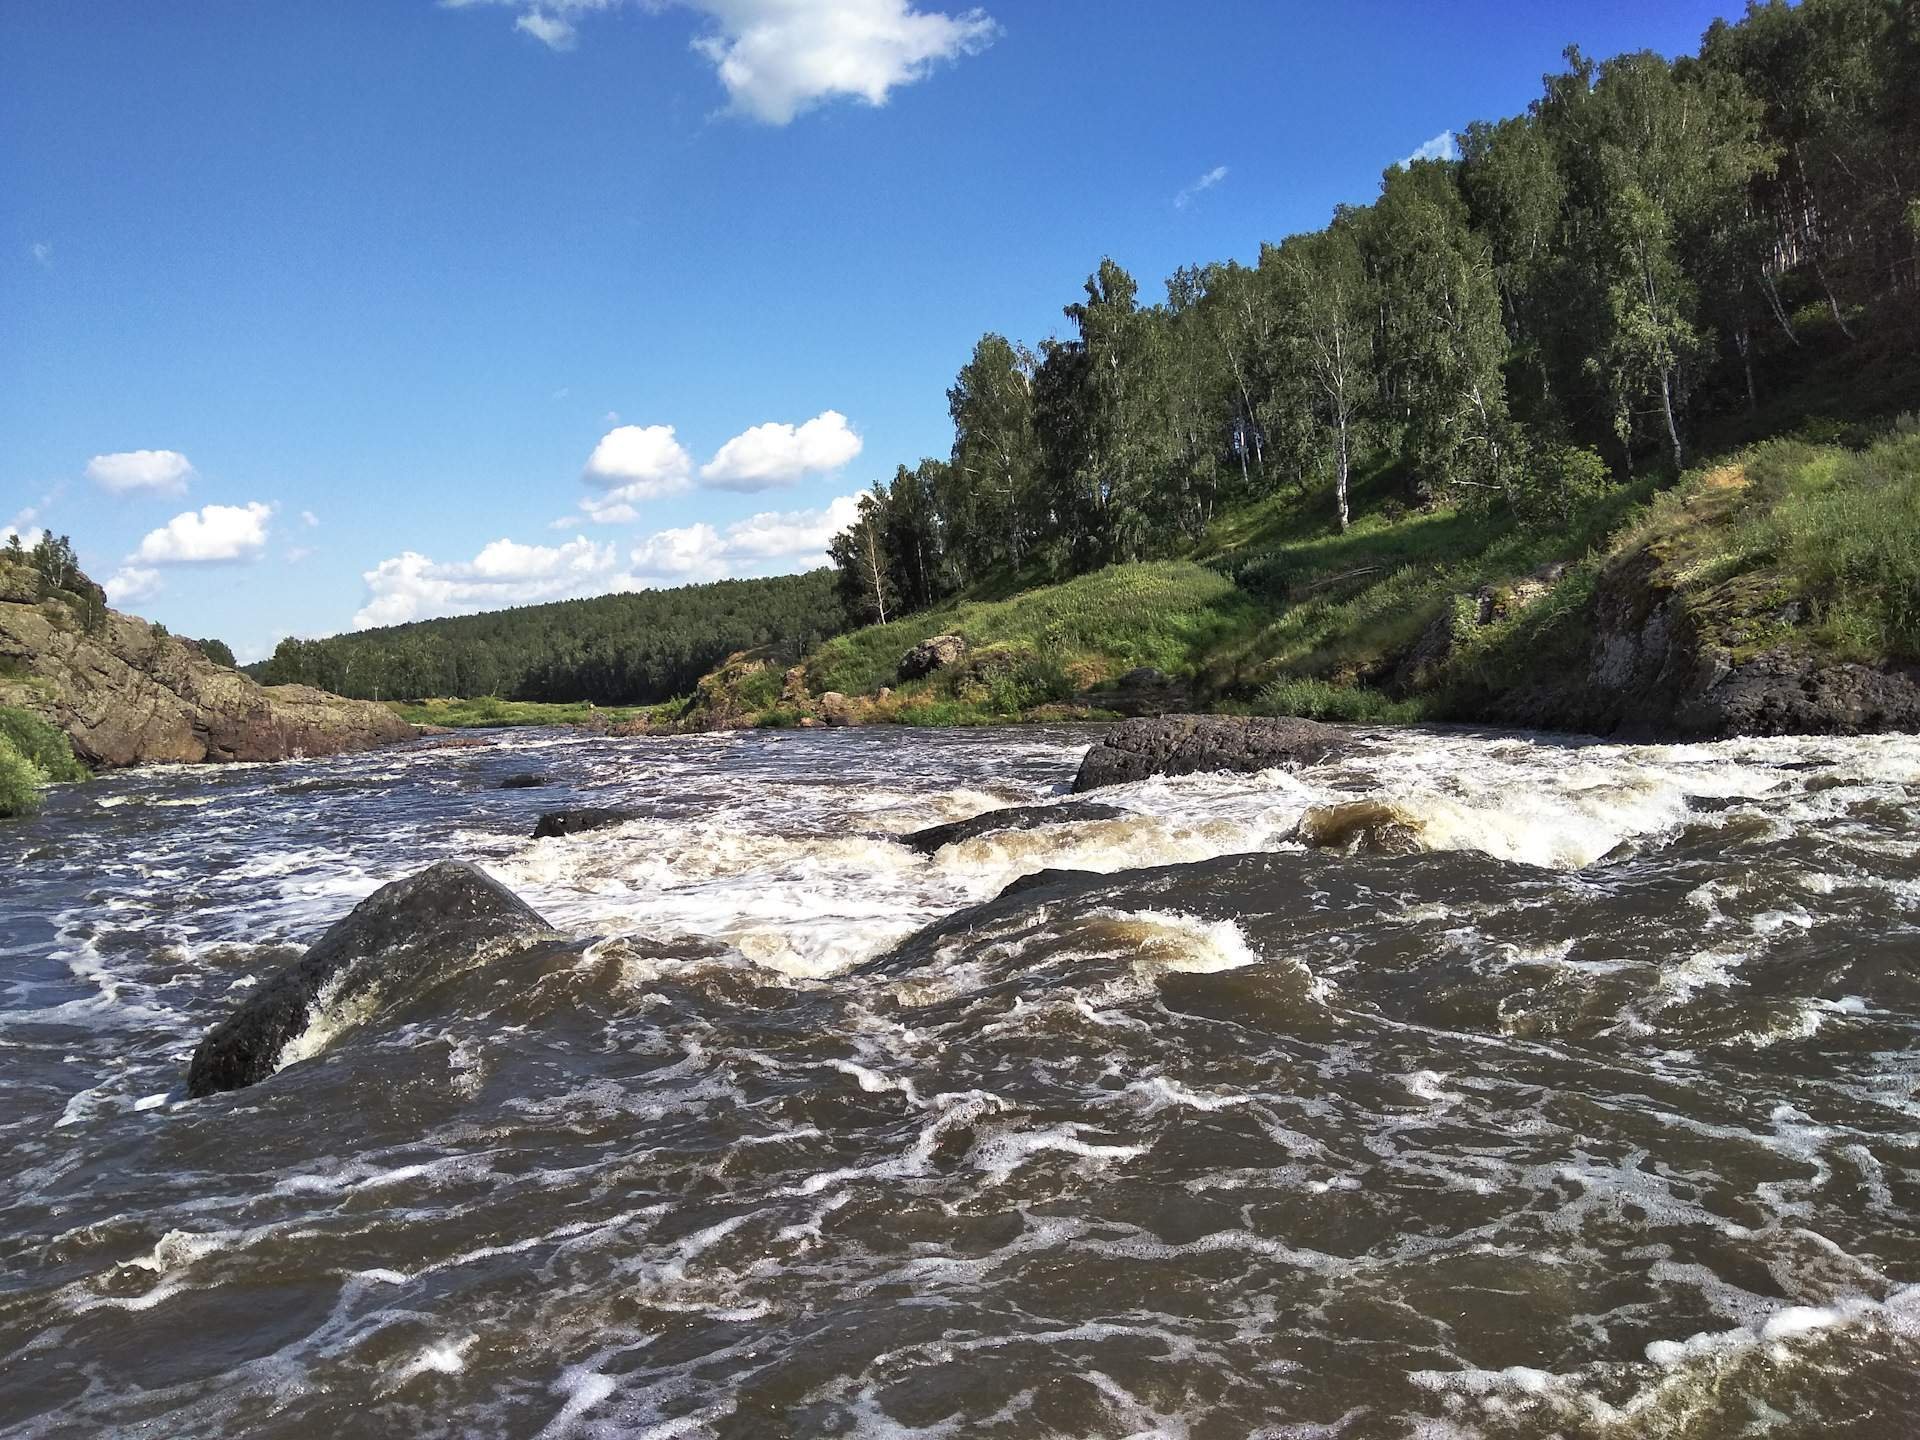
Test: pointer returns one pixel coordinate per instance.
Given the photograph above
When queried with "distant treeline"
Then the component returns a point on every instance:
(634, 648)
(1651, 245)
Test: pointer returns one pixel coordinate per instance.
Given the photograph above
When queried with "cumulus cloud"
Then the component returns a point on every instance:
(775, 454)
(155, 472)
(209, 535)
(131, 583)
(634, 463)
(411, 586)
(1206, 182)
(779, 58)
(1441, 147)
(309, 519)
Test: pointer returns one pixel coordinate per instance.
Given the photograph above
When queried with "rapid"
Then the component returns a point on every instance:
(1468, 1085)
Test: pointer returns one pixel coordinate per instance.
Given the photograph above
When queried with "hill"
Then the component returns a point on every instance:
(629, 649)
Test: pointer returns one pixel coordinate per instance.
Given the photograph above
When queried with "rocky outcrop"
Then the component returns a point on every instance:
(1664, 662)
(441, 919)
(578, 822)
(1455, 624)
(127, 693)
(1013, 817)
(1186, 744)
(936, 652)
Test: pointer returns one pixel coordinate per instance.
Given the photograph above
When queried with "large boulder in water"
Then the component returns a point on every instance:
(1187, 744)
(436, 920)
(1013, 817)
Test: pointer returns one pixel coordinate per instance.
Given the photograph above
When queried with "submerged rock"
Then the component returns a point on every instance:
(524, 782)
(575, 822)
(1014, 817)
(1188, 744)
(443, 916)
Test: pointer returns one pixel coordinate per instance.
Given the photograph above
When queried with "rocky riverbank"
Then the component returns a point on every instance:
(127, 693)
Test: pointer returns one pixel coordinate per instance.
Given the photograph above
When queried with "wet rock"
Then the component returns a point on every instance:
(1046, 880)
(1188, 744)
(445, 916)
(524, 782)
(837, 709)
(1014, 817)
(934, 653)
(576, 822)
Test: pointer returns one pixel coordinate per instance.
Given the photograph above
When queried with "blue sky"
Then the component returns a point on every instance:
(325, 312)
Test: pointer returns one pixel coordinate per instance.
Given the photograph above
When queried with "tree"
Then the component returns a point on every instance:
(1328, 316)
(989, 500)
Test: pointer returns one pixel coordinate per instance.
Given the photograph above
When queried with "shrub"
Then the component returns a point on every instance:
(40, 744)
(20, 782)
(1557, 483)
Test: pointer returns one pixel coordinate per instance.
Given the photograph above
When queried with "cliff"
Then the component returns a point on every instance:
(127, 693)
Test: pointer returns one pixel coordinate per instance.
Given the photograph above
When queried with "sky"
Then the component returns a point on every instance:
(321, 314)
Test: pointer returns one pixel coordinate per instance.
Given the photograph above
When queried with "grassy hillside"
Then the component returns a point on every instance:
(1432, 613)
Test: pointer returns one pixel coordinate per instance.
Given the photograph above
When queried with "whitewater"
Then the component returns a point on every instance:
(1469, 1084)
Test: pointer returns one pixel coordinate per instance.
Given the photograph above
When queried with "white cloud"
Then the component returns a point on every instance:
(156, 472)
(411, 586)
(776, 454)
(309, 519)
(131, 583)
(212, 533)
(42, 253)
(634, 463)
(298, 553)
(1206, 182)
(1441, 147)
(778, 58)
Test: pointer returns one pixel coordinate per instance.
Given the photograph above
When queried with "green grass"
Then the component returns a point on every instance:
(1172, 615)
(489, 713)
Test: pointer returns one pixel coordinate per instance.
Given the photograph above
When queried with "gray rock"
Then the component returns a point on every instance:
(934, 653)
(399, 937)
(575, 822)
(1014, 817)
(524, 782)
(128, 695)
(1187, 744)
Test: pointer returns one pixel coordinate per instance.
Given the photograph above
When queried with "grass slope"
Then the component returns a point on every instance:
(1788, 543)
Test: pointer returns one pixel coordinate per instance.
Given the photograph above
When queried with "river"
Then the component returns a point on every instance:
(1560, 1089)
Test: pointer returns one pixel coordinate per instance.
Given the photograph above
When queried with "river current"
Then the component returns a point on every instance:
(1472, 1085)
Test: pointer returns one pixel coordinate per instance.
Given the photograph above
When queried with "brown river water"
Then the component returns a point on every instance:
(1559, 1090)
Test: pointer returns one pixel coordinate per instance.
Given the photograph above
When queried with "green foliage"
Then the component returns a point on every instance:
(1843, 528)
(41, 744)
(20, 782)
(217, 651)
(640, 647)
(1318, 700)
(1557, 483)
(1655, 249)
(487, 712)
(1171, 615)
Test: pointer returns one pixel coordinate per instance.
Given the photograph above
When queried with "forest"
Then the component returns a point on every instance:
(633, 648)
(1655, 250)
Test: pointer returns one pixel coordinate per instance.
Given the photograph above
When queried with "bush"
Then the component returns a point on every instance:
(217, 651)
(20, 782)
(40, 744)
(1558, 483)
